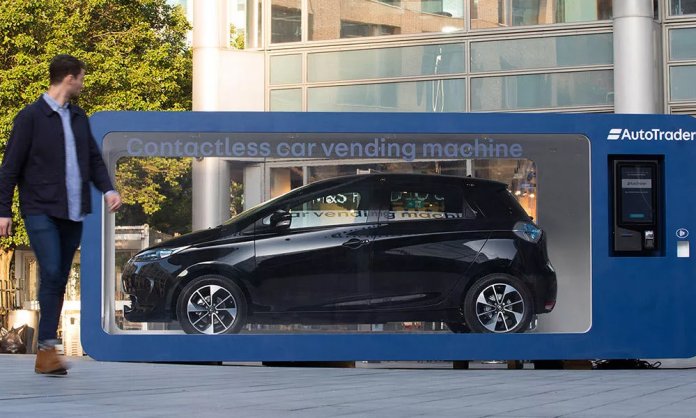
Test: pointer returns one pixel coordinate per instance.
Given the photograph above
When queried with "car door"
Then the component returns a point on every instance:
(321, 262)
(426, 240)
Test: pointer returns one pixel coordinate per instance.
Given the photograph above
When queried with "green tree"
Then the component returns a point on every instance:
(137, 59)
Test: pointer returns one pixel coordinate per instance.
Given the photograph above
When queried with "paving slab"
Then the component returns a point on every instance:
(371, 389)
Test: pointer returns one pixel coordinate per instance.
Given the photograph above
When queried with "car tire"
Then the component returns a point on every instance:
(498, 303)
(458, 327)
(225, 315)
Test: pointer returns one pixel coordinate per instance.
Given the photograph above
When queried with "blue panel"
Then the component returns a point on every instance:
(641, 306)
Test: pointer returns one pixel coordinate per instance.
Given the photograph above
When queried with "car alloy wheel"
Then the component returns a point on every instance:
(211, 305)
(498, 304)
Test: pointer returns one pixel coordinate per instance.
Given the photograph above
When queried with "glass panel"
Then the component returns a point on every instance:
(521, 54)
(419, 96)
(542, 91)
(289, 100)
(286, 69)
(682, 44)
(332, 209)
(427, 205)
(683, 7)
(682, 86)
(286, 21)
(335, 19)
(490, 14)
(386, 62)
(284, 179)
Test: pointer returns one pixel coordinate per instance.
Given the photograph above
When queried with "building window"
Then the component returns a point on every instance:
(286, 69)
(286, 100)
(682, 86)
(682, 44)
(587, 88)
(338, 19)
(370, 64)
(488, 14)
(414, 96)
(548, 52)
(286, 21)
(682, 7)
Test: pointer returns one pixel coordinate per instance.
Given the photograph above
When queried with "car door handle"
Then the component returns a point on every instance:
(355, 243)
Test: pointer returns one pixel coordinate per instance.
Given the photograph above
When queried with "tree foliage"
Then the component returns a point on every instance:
(137, 59)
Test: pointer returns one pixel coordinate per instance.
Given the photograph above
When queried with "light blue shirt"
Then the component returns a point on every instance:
(73, 178)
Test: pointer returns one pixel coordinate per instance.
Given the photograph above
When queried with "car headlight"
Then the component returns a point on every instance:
(157, 253)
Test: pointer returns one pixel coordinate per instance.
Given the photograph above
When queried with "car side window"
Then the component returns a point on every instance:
(424, 204)
(337, 208)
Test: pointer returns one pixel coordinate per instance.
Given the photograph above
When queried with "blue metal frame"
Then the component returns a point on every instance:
(641, 307)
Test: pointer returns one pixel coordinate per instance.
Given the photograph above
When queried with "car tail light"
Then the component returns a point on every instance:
(549, 305)
(527, 231)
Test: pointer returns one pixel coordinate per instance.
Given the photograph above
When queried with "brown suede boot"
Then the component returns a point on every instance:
(49, 362)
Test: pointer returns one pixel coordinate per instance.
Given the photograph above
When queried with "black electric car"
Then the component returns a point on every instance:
(371, 248)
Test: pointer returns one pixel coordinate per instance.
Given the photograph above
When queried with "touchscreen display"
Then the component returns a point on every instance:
(637, 194)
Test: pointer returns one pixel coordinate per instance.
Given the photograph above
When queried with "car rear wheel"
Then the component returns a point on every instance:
(498, 304)
(211, 305)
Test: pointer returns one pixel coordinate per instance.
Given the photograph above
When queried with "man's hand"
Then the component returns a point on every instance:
(5, 227)
(113, 200)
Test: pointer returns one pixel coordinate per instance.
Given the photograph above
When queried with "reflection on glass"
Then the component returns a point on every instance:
(542, 91)
(418, 96)
(490, 14)
(157, 207)
(286, 21)
(519, 175)
(522, 54)
(288, 100)
(336, 19)
(284, 179)
(682, 86)
(682, 44)
(386, 62)
(286, 69)
(682, 7)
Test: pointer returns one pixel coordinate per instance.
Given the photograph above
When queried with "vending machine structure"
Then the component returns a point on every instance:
(615, 201)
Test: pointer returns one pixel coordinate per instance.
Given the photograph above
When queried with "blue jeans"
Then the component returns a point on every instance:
(54, 242)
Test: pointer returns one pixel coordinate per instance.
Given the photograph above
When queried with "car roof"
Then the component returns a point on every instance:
(412, 178)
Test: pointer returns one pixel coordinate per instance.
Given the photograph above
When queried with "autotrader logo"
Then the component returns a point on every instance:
(614, 134)
(650, 135)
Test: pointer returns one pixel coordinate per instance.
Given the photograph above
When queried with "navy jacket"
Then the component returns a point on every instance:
(35, 161)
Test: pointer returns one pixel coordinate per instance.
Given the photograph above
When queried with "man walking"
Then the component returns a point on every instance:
(52, 157)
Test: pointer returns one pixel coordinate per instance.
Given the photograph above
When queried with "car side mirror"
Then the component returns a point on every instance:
(281, 219)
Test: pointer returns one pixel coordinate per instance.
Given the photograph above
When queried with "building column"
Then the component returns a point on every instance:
(211, 176)
(636, 62)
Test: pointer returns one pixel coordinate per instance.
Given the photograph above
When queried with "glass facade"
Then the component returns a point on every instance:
(682, 45)
(416, 96)
(542, 91)
(421, 60)
(286, 69)
(682, 85)
(681, 67)
(492, 14)
(286, 100)
(340, 19)
(547, 52)
(682, 7)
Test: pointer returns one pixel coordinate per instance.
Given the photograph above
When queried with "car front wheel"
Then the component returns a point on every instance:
(498, 304)
(211, 305)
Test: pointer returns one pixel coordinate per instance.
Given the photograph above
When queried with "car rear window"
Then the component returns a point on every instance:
(495, 202)
(421, 204)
